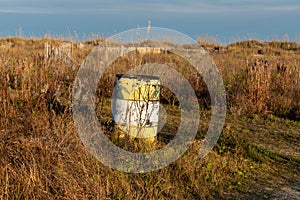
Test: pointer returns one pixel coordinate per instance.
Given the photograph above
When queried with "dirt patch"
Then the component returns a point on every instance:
(288, 193)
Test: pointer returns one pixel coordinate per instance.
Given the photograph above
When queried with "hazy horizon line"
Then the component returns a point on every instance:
(205, 38)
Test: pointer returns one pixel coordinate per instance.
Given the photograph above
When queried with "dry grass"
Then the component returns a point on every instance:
(43, 158)
(261, 77)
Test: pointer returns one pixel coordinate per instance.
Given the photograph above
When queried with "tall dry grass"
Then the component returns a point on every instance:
(261, 77)
(43, 158)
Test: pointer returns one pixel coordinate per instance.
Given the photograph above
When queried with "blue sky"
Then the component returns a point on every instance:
(227, 19)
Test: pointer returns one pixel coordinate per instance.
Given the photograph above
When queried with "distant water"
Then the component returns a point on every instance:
(211, 28)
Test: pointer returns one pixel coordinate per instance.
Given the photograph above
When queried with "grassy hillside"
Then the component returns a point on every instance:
(257, 155)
